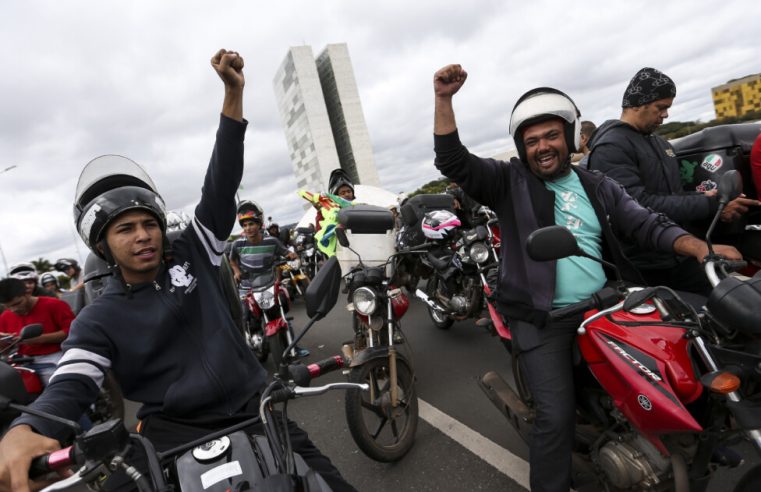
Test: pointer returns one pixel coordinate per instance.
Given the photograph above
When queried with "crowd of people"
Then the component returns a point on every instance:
(623, 201)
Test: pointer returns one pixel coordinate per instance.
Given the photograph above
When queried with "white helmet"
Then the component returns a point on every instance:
(23, 271)
(539, 105)
(440, 224)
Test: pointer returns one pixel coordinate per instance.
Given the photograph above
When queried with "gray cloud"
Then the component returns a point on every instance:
(85, 78)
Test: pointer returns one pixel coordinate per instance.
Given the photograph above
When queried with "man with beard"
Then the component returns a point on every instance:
(539, 189)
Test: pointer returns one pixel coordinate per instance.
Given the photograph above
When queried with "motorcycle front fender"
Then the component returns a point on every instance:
(371, 353)
(275, 325)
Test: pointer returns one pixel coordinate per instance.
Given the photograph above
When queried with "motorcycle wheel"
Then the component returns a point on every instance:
(440, 320)
(278, 343)
(382, 432)
(110, 402)
(257, 342)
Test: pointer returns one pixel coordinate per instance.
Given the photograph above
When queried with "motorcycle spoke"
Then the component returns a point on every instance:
(381, 424)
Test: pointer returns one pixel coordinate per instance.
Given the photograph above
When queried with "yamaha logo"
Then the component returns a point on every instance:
(644, 402)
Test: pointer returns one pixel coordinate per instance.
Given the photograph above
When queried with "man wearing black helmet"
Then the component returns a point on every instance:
(538, 189)
(162, 325)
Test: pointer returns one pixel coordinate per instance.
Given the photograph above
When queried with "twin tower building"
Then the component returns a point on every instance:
(322, 117)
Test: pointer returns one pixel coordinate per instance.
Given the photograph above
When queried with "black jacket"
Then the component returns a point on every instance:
(523, 204)
(647, 167)
(171, 344)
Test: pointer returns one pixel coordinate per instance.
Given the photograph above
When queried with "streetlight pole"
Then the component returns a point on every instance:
(2, 253)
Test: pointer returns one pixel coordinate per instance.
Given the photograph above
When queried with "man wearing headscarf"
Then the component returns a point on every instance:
(628, 151)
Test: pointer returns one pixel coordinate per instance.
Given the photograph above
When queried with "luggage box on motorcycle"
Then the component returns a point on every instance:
(415, 209)
(706, 155)
(370, 231)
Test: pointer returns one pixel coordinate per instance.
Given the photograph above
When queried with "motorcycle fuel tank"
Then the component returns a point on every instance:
(646, 369)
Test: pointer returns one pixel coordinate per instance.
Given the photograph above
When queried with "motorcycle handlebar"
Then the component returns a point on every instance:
(302, 374)
(62, 458)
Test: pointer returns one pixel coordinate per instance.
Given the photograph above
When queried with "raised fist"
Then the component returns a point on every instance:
(448, 80)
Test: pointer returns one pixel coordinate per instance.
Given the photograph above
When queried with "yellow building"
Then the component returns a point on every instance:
(737, 97)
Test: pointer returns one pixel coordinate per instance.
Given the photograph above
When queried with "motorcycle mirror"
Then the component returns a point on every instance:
(638, 298)
(730, 186)
(13, 388)
(322, 293)
(30, 331)
(341, 236)
(551, 243)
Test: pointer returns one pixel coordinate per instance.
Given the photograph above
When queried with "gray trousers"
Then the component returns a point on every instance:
(546, 359)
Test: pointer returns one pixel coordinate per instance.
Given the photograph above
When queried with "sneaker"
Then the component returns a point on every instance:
(301, 351)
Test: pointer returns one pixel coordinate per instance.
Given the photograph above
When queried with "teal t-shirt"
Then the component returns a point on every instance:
(577, 278)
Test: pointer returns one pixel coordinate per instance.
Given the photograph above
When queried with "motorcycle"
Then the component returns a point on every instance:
(228, 459)
(456, 289)
(16, 377)
(662, 390)
(308, 253)
(267, 328)
(384, 420)
(294, 278)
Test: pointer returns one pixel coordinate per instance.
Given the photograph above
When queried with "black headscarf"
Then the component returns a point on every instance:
(646, 86)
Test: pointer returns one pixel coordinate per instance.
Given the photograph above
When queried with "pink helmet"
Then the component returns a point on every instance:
(440, 224)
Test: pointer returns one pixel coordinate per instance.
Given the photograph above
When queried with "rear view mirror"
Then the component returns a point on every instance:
(551, 243)
(322, 293)
(341, 237)
(30, 331)
(730, 186)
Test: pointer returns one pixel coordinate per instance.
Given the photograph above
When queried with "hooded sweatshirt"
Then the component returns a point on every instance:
(646, 165)
(171, 344)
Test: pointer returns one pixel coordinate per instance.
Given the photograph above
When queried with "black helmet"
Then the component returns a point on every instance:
(108, 186)
(48, 277)
(249, 210)
(541, 104)
(63, 263)
(339, 178)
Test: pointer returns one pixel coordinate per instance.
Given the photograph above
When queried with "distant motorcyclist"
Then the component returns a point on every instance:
(254, 254)
(72, 269)
(340, 194)
(50, 282)
(22, 309)
(27, 273)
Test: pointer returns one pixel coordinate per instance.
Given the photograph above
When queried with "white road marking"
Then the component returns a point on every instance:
(500, 458)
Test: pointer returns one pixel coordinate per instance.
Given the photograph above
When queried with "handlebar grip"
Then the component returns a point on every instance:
(734, 265)
(572, 309)
(42, 465)
(302, 375)
(281, 395)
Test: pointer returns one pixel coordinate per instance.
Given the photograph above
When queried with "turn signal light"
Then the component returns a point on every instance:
(724, 382)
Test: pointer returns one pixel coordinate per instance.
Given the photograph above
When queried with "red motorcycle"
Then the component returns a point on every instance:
(662, 390)
(23, 384)
(267, 328)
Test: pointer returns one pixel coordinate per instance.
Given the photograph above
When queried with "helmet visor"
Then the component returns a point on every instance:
(116, 170)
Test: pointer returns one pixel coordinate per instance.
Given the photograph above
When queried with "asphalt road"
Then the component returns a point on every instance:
(447, 364)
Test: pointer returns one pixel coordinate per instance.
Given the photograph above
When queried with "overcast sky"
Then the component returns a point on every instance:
(85, 78)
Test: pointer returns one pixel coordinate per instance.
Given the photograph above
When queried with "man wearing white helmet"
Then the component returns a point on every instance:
(27, 273)
(539, 189)
(162, 325)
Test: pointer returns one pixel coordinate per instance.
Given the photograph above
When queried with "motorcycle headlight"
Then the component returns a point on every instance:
(265, 299)
(364, 300)
(294, 264)
(479, 252)
(299, 239)
(310, 251)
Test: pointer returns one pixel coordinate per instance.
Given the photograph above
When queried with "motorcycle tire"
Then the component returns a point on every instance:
(263, 351)
(440, 321)
(110, 402)
(382, 432)
(277, 343)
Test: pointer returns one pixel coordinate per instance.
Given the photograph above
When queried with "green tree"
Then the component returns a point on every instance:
(42, 265)
(432, 187)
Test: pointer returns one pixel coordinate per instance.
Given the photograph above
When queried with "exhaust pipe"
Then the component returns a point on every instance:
(424, 297)
(506, 399)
